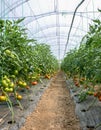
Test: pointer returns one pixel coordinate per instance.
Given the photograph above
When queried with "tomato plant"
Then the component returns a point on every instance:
(22, 60)
(85, 62)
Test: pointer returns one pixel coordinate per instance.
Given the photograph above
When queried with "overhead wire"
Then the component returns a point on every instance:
(83, 16)
(86, 12)
(72, 25)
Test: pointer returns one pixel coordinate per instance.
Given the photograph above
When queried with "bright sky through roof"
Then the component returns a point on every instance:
(49, 21)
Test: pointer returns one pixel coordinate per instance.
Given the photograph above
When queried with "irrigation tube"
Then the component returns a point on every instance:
(72, 25)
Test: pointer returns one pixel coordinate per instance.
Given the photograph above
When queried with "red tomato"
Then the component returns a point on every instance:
(34, 83)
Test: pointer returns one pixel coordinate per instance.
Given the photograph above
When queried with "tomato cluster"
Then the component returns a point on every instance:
(98, 95)
(7, 84)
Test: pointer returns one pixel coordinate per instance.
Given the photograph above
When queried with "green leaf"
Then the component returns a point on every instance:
(99, 10)
(19, 20)
(97, 21)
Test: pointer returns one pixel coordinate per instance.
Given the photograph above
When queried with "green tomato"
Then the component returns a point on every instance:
(9, 89)
(5, 77)
(24, 84)
(20, 83)
(33, 77)
(8, 52)
(25, 70)
(16, 72)
(4, 83)
(13, 76)
(8, 80)
(11, 85)
(12, 56)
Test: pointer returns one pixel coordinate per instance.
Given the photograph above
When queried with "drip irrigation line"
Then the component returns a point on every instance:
(72, 25)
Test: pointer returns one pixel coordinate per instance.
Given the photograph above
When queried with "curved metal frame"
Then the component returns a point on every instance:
(50, 36)
(54, 41)
(74, 41)
(32, 18)
(54, 25)
(59, 39)
(15, 5)
(19, 3)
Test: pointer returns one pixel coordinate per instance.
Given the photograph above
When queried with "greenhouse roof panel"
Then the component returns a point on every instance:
(49, 21)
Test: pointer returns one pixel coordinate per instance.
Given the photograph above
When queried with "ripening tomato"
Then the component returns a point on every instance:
(27, 87)
(95, 94)
(34, 83)
(77, 84)
(3, 98)
(47, 76)
(19, 97)
(99, 98)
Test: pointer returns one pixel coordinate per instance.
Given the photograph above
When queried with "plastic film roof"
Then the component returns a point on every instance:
(49, 21)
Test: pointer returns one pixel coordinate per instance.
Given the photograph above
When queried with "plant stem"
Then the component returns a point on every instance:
(98, 125)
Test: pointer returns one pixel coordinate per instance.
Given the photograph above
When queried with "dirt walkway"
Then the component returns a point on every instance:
(55, 110)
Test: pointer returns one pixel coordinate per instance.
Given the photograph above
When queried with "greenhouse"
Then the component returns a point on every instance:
(50, 65)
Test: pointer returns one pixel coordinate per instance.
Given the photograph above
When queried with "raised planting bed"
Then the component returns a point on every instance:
(28, 104)
(88, 110)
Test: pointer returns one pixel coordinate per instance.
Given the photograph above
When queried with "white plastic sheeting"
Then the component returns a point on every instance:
(48, 21)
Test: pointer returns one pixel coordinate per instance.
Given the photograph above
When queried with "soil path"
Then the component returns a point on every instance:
(55, 110)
